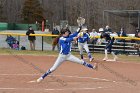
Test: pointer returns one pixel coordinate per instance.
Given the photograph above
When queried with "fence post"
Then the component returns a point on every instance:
(19, 42)
(93, 44)
(42, 43)
(124, 46)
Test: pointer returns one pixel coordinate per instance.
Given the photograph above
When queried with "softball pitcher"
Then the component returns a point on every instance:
(82, 43)
(65, 55)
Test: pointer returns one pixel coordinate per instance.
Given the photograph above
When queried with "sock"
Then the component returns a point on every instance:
(89, 55)
(113, 54)
(46, 74)
(106, 53)
(88, 65)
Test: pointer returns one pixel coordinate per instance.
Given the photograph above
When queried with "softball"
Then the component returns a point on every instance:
(81, 34)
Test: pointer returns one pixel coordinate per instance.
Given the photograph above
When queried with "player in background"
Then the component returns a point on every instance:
(82, 43)
(108, 47)
(31, 38)
(64, 54)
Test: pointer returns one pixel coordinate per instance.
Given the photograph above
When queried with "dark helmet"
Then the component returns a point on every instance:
(102, 35)
(63, 31)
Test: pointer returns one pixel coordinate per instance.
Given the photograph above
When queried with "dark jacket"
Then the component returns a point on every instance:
(31, 37)
(55, 32)
(107, 30)
(123, 34)
(105, 36)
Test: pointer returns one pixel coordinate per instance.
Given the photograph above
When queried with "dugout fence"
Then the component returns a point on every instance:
(125, 47)
(23, 40)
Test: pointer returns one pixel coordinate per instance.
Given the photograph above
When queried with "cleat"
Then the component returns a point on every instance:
(105, 59)
(39, 79)
(111, 60)
(91, 59)
(95, 67)
(115, 59)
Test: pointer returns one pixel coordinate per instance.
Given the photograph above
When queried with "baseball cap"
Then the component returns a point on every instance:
(101, 29)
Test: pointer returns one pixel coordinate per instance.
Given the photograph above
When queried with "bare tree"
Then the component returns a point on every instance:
(32, 11)
(92, 10)
(2, 18)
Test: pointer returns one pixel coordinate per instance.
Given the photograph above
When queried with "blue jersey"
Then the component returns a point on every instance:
(84, 38)
(65, 43)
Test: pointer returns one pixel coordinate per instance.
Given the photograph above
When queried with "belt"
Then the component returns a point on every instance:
(64, 54)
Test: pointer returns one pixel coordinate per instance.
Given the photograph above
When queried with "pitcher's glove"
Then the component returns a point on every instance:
(79, 29)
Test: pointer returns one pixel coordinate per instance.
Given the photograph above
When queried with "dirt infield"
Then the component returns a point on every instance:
(17, 75)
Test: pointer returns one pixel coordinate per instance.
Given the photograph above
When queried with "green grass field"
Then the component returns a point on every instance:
(98, 56)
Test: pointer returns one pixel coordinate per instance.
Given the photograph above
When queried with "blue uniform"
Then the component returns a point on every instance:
(84, 38)
(65, 43)
(82, 43)
(65, 48)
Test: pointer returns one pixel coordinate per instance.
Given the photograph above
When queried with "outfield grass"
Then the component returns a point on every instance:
(98, 56)
(26, 52)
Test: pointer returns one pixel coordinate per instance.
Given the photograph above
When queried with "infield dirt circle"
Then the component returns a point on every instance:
(18, 73)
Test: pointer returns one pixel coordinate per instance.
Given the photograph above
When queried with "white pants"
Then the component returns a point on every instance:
(61, 58)
(83, 45)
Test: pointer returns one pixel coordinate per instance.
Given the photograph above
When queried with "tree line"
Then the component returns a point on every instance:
(24, 11)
